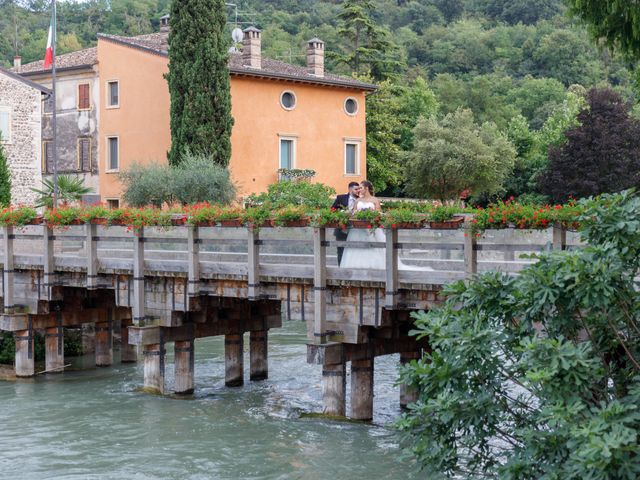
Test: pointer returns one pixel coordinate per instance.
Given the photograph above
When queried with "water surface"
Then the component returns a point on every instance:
(93, 423)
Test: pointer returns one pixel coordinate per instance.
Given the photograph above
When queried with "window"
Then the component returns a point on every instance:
(113, 203)
(288, 100)
(5, 124)
(113, 94)
(113, 154)
(351, 106)
(84, 154)
(84, 100)
(351, 158)
(287, 152)
(47, 156)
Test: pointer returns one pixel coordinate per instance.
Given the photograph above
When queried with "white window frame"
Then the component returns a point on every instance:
(294, 148)
(108, 94)
(356, 142)
(9, 111)
(295, 100)
(108, 168)
(344, 106)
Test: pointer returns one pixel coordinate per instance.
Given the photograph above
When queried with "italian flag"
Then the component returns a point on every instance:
(48, 56)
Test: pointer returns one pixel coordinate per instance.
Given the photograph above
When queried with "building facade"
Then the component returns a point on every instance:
(21, 104)
(78, 112)
(285, 116)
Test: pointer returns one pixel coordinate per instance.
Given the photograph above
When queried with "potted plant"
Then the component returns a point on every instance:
(366, 219)
(229, 217)
(402, 218)
(95, 215)
(258, 217)
(201, 214)
(63, 217)
(293, 216)
(443, 217)
(330, 218)
(19, 217)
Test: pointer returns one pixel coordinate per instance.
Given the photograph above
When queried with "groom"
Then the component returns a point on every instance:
(345, 202)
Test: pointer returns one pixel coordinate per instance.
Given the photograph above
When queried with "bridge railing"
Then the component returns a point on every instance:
(302, 255)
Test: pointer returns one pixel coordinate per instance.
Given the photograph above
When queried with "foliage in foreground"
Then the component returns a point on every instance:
(5, 178)
(537, 376)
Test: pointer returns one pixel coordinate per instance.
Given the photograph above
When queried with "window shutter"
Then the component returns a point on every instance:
(84, 154)
(83, 96)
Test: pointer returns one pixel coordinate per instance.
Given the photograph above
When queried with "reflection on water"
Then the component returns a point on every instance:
(93, 424)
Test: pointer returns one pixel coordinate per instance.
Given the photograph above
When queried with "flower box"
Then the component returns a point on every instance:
(178, 220)
(231, 222)
(302, 222)
(39, 220)
(408, 225)
(99, 221)
(355, 223)
(452, 224)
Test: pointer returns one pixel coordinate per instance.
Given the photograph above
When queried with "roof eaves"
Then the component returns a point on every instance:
(314, 80)
(31, 84)
(35, 73)
(119, 41)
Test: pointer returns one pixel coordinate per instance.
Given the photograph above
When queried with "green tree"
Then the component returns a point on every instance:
(615, 21)
(199, 82)
(369, 45)
(537, 376)
(455, 154)
(5, 178)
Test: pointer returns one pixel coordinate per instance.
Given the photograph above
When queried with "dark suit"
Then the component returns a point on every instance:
(341, 203)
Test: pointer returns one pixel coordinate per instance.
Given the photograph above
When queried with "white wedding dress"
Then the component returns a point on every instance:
(370, 258)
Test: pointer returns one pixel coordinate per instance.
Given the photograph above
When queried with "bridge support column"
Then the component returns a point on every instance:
(334, 388)
(408, 394)
(258, 355)
(154, 356)
(128, 353)
(54, 349)
(25, 354)
(362, 389)
(184, 366)
(104, 344)
(233, 360)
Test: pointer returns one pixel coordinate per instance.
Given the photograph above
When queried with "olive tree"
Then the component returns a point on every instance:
(537, 376)
(454, 154)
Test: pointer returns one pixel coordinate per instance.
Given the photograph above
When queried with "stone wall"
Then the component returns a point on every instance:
(24, 148)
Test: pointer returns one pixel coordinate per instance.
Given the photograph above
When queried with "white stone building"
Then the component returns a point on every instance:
(21, 103)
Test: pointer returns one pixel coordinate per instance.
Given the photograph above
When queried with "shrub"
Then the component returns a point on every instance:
(145, 185)
(5, 179)
(283, 194)
(70, 190)
(198, 179)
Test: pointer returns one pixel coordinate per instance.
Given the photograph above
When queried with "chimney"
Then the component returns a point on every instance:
(17, 63)
(315, 57)
(164, 24)
(251, 45)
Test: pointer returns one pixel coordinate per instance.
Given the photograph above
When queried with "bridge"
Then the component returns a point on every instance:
(175, 285)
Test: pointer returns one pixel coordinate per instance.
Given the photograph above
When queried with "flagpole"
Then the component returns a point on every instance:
(53, 89)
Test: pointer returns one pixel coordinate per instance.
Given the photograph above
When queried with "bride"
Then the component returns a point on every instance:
(371, 258)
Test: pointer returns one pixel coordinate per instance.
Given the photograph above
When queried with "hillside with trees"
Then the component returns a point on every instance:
(522, 66)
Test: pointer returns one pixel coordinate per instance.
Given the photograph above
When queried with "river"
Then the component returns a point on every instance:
(92, 423)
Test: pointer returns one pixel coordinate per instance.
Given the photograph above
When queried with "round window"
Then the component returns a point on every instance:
(288, 100)
(351, 106)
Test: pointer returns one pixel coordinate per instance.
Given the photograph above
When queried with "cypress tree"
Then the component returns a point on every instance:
(5, 180)
(199, 82)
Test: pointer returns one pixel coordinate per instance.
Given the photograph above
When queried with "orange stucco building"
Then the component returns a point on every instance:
(285, 116)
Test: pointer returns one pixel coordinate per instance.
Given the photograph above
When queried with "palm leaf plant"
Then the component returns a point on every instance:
(70, 189)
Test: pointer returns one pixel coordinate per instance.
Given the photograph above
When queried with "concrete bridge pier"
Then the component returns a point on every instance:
(408, 394)
(54, 349)
(258, 354)
(104, 343)
(154, 362)
(184, 366)
(128, 353)
(334, 389)
(24, 358)
(362, 389)
(233, 360)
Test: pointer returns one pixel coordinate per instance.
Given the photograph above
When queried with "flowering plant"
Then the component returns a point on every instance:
(63, 216)
(322, 217)
(17, 216)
